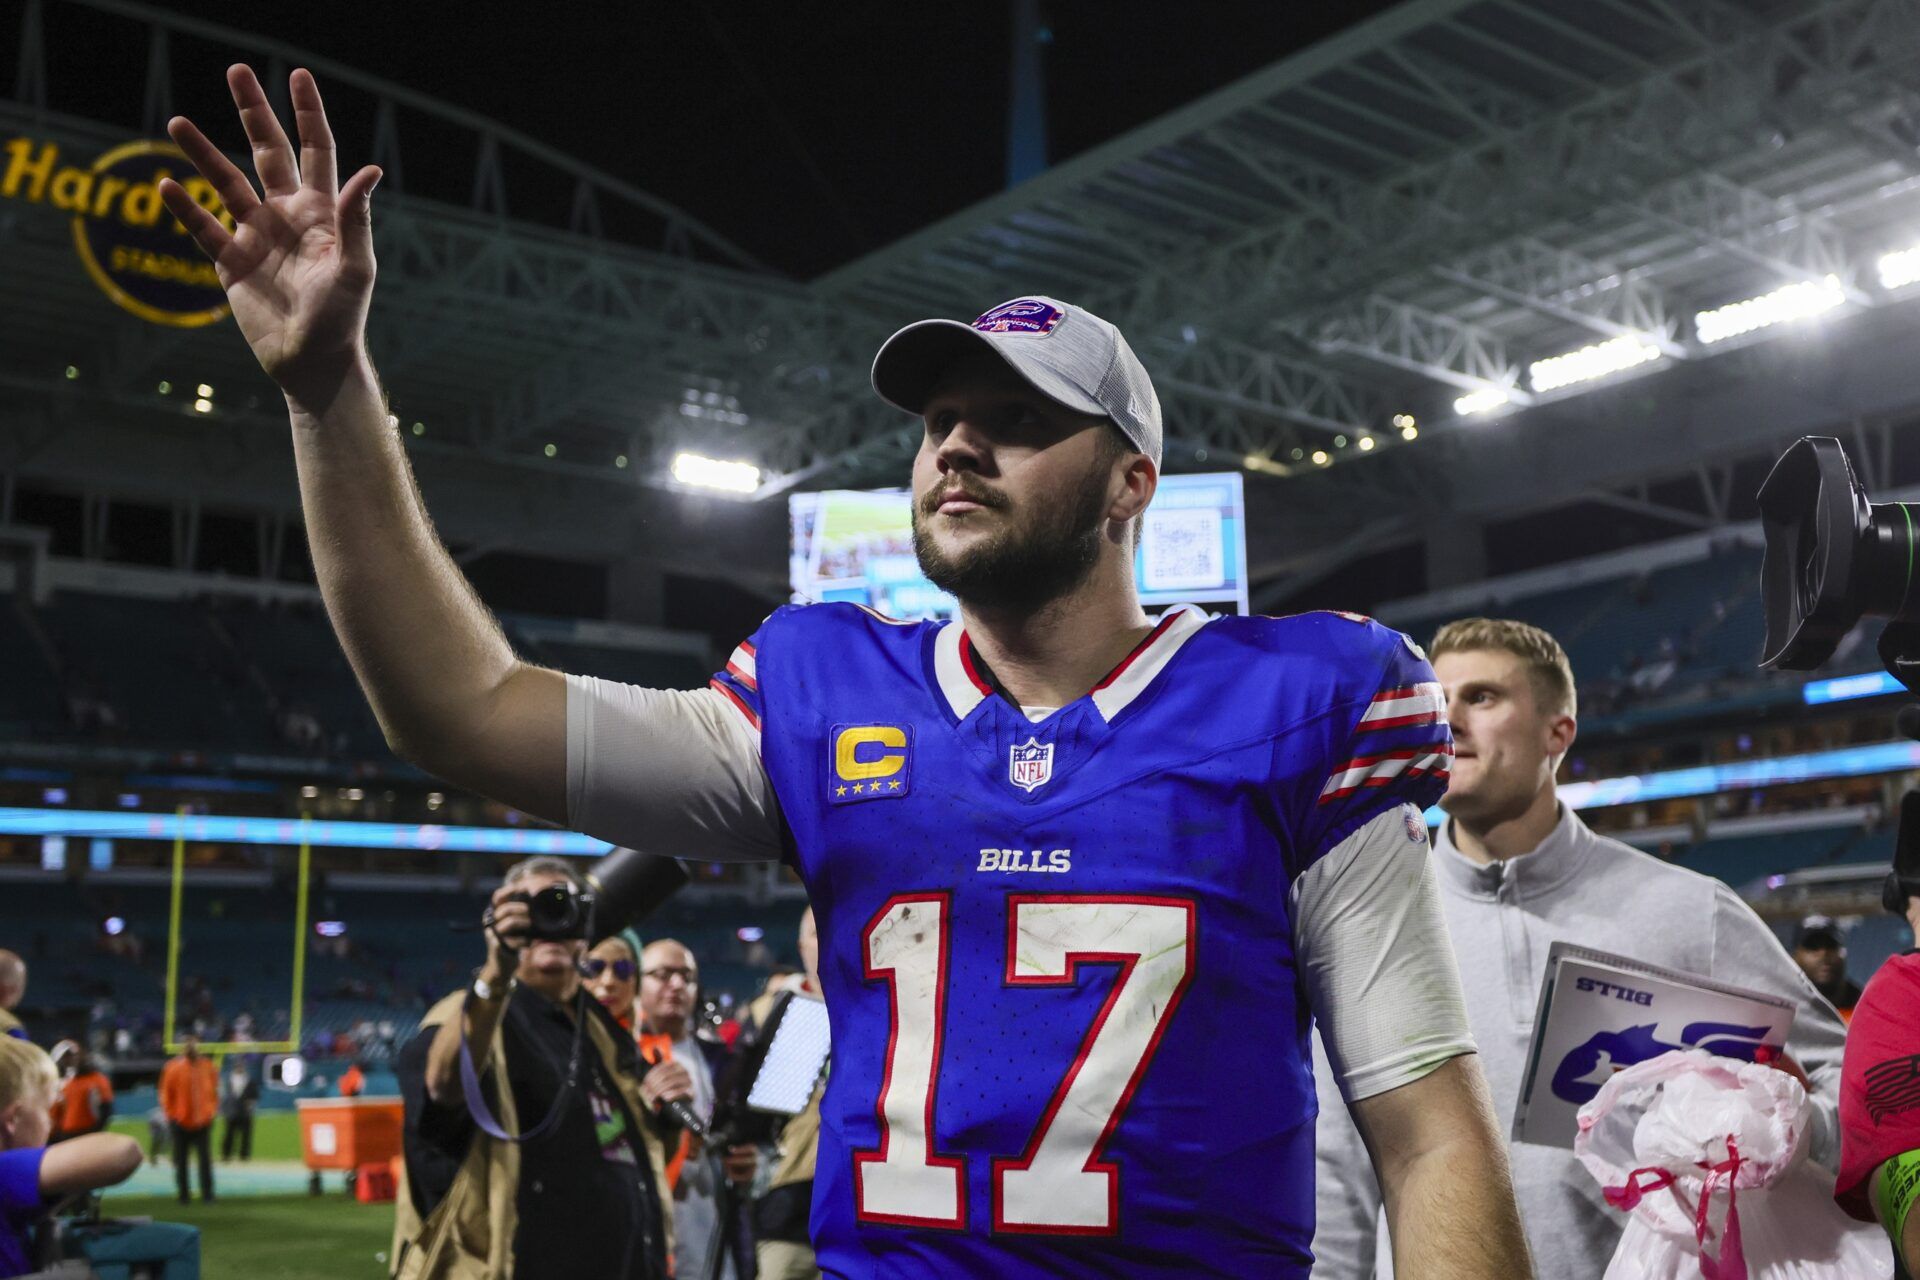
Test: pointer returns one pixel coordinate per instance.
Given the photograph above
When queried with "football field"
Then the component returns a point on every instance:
(277, 1237)
(263, 1223)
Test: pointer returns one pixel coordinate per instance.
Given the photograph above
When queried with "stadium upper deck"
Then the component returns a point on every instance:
(1461, 198)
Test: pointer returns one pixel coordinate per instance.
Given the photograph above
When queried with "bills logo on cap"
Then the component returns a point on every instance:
(1022, 315)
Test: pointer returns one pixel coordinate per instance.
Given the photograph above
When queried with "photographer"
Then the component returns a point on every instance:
(1880, 1093)
(582, 1194)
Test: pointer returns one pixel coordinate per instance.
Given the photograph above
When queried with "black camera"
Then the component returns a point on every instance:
(557, 913)
(623, 887)
(1832, 558)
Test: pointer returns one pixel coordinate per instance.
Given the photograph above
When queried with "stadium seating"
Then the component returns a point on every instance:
(30, 704)
(1678, 641)
(1742, 859)
(228, 674)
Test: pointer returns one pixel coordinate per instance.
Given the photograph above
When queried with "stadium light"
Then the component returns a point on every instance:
(166, 388)
(1797, 301)
(1321, 457)
(621, 462)
(203, 405)
(1366, 444)
(1899, 268)
(712, 473)
(204, 389)
(73, 372)
(1485, 400)
(1591, 362)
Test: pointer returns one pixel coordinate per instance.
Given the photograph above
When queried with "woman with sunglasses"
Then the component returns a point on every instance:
(612, 972)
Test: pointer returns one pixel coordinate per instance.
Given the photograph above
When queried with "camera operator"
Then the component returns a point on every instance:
(1880, 1093)
(1519, 870)
(708, 1191)
(582, 1195)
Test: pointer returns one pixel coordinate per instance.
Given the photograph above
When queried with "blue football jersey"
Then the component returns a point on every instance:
(1070, 1037)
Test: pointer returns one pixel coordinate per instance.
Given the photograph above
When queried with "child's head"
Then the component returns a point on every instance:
(28, 1083)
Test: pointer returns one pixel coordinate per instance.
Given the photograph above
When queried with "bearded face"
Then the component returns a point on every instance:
(1024, 553)
(1012, 491)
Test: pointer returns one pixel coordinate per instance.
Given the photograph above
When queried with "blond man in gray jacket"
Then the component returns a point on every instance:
(1519, 871)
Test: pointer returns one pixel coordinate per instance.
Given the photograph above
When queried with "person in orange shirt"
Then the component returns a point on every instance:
(85, 1104)
(190, 1095)
(353, 1082)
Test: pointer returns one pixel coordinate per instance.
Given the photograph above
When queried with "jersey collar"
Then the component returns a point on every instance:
(965, 681)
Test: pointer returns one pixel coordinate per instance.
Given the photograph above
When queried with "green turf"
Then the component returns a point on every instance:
(326, 1237)
(276, 1134)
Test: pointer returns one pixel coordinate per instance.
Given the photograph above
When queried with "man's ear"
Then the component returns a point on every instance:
(1561, 731)
(1139, 480)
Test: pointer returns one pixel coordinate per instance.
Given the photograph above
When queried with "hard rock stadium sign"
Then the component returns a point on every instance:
(136, 251)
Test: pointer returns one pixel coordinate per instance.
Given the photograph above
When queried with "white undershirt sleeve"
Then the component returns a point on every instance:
(668, 771)
(1379, 966)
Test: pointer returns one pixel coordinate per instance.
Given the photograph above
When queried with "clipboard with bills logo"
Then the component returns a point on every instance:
(1600, 1013)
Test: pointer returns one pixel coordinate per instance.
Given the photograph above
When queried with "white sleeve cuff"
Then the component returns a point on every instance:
(1379, 966)
(668, 771)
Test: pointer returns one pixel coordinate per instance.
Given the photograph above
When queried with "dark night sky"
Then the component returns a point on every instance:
(810, 133)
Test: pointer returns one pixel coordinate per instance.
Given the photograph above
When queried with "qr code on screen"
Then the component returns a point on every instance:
(1182, 549)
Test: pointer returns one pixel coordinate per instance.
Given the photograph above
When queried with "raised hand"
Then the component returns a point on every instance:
(298, 266)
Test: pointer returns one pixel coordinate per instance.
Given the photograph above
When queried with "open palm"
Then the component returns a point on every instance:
(298, 267)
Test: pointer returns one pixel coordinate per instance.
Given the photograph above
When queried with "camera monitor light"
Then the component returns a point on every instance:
(795, 1058)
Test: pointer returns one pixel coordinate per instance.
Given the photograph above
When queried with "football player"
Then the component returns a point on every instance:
(1083, 878)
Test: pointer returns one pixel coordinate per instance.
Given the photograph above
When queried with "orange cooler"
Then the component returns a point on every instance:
(345, 1133)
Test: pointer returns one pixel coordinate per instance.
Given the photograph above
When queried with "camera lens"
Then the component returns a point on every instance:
(1832, 558)
(555, 913)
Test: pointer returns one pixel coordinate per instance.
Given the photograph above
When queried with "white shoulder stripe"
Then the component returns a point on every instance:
(1139, 674)
(950, 671)
(1415, 704)
(1378, 771)
(745, 666)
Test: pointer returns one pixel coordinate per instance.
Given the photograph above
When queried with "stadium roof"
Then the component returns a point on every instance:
(1423, 208)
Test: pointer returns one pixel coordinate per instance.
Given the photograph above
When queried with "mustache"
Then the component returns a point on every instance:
(962, 486)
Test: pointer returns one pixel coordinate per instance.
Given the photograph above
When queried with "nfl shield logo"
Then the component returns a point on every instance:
(1031, 765)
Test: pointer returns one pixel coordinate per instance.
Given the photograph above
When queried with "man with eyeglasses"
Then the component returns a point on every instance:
(705, 1212)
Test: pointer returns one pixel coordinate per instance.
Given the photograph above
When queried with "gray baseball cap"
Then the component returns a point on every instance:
(1066, 353)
